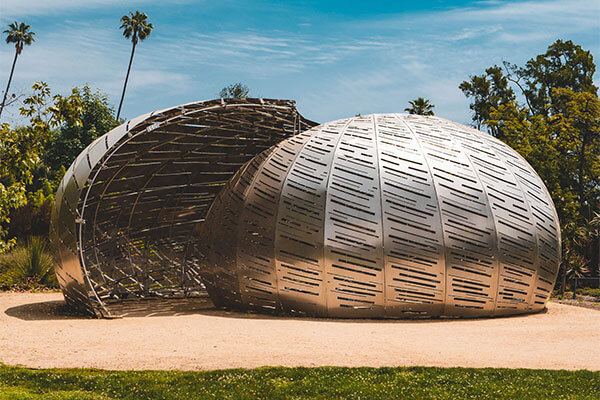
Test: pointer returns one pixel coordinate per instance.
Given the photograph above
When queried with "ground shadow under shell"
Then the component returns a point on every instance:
(160, 307)
(45, 311)
(58, 309)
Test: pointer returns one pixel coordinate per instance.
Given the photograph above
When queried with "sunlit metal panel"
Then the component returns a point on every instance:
(386, 215)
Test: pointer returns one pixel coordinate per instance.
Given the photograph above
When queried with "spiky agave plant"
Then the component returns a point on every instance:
(28, 267)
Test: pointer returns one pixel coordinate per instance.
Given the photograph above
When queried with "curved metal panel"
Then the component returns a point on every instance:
(123, 221)
(386, 215)
(413, 237)
(301, 220)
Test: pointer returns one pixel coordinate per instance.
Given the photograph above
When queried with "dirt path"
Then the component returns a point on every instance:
(34, 333)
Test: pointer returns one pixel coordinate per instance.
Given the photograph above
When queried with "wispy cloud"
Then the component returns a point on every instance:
(10, 9)
(332, 69)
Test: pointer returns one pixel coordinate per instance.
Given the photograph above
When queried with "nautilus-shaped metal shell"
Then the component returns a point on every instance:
(123, 221)
(386, 215)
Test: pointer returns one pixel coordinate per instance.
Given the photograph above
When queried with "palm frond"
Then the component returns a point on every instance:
(420, 106)
(19, 34)
(136, 26)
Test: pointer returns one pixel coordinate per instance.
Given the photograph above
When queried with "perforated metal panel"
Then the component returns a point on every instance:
(386, 215)
(123, 222)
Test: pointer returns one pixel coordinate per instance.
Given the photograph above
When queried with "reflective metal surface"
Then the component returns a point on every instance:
(124, 217)
(385, 215)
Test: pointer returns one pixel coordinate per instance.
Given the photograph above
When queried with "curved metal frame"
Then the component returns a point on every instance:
(125, 212)
(386, 215)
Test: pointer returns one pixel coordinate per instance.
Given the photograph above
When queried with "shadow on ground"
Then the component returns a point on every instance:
(57, 310)
(45, 310)
(161, 307)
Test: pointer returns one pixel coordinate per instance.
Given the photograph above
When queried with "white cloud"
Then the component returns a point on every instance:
(351, 66)
(522, 37)
(542, 16)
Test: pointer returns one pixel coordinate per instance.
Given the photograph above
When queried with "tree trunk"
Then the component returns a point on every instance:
(126, 79)
(582, 174)
(12, 70)
(563, 286)
(598, 261)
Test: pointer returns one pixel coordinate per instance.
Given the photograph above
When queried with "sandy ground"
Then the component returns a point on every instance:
(35, 332)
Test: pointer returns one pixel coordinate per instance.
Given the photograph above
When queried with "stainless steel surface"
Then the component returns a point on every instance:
(386, 215)
(123, 220)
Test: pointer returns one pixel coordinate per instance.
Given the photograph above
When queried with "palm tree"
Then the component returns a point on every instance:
(135, 27)
(19, 34)
(420, 106)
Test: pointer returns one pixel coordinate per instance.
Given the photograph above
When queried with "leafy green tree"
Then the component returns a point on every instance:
(487, 92)
(60, 128)
(577, 266)
(564, 150)
(420, 106)
(137, 28)
(564, 65)
(234, 91)
(19, 34)
(557, 130)
(12, 196)
(577, 116)
(97, 118)
(21, 148)
(46, 111)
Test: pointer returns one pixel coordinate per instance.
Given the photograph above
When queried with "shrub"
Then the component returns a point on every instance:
(589, 292)
(28, 266)
(30, 220)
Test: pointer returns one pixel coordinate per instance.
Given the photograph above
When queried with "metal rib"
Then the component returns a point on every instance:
(124, 217)
(385, 215)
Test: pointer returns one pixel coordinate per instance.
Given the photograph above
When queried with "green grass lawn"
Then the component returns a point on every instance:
(300, 383)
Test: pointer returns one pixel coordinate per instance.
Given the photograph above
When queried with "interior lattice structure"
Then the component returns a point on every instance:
(127, 212)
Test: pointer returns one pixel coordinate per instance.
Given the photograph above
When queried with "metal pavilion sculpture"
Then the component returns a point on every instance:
(383, 216)
(386, 215)
(123, 221)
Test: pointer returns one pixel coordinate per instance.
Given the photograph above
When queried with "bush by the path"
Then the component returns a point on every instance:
(28, 267)
(589, 292)
(300, 383)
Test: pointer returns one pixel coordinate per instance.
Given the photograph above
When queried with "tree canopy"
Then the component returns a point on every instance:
(234, 91)
(564, 65)
(97, 118)
(487, 91)
(554, 123)
(36, 155)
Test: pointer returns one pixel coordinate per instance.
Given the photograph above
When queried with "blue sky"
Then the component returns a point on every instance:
(335, 58)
